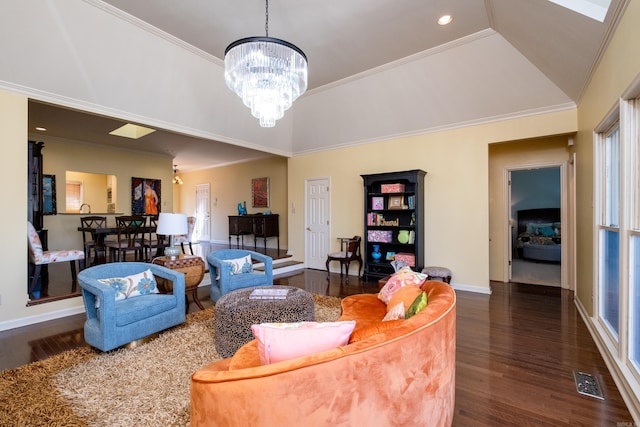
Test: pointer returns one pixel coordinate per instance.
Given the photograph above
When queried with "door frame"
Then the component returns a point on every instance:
(307, 242)
(567, 253)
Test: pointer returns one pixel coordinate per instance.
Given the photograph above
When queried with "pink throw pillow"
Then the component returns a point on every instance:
(284, 341)
(405, 276)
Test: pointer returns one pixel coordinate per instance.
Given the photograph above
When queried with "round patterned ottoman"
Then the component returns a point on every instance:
(235, 313)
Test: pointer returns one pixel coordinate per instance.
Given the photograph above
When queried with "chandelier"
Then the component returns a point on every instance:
(267, 73)
(176, 178)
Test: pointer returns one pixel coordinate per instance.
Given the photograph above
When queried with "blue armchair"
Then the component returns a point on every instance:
(112, 323)
(222, 279)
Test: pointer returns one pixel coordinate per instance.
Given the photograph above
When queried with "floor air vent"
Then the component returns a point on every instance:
(587, 384)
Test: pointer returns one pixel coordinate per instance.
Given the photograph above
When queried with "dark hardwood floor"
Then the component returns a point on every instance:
(516, 353)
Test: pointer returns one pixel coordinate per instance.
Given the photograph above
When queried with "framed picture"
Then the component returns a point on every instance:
(49, 195)
(145, 196)
(390, 256)
(377, 203)
(260, 192)
(396, 202)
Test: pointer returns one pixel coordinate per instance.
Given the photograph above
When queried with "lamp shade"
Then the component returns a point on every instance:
(172, 224)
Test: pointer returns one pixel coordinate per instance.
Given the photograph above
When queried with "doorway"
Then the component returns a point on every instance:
(317, 228)
(535, 201)
(202, 230)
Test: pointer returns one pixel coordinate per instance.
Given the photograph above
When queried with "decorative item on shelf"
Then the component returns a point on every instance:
(382, 236)
(412, 237)
(377, 203)
(391, 222)
(392, 188)
(411, 200)
(376, 254)
(396, 202)
(403, 236)
(409, 258)
(269, 74)
(172, 224)
(390, 256)
(413, 219)
(242, 208)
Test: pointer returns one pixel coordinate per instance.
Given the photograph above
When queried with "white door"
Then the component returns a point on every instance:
(317, 223)
(202, 231)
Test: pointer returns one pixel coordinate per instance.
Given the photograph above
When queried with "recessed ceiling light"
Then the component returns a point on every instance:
(132, 131)
(40, 128)
(445, 19)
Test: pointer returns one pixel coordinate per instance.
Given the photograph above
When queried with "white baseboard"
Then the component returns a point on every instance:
(630, 392)
(38, 318)
(471, 288)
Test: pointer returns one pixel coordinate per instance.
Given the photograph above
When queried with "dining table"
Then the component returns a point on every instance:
(99, 235)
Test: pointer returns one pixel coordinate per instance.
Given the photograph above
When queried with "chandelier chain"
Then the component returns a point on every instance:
(266, 21)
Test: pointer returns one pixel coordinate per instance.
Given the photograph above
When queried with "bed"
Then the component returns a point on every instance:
(539, 234)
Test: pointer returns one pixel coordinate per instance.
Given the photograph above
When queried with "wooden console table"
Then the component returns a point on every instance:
(261, 226)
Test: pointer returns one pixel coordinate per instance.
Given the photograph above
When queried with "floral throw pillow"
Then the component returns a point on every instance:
(405, 276)
(240, 265)
(132, 286)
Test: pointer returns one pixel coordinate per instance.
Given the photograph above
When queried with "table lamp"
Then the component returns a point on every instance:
(172, 224)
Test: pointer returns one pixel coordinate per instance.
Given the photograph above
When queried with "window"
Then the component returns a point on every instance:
(634, 318)
(609, 234)
(74, 196)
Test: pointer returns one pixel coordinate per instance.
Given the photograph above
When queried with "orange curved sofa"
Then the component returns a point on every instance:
(398, 373)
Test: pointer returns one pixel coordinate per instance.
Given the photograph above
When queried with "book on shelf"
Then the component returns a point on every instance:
(269, 294)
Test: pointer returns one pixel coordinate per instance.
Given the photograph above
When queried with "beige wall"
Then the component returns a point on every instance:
(456, 188)
(619, 67)
(58, 157)
(232, 184)
(61, 156)
(514, 155)
(13, 264)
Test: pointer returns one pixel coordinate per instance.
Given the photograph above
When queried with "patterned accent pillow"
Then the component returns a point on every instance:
(132, 286)
(397, 312)
(417, 306)
(404, 276)
(284, 341)
(406, 295)
(240, 265)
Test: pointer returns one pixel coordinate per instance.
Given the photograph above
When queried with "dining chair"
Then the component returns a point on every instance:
(154, 243)
(130, 238)
(39, 257)
(349, 252)
(89, 238)
(186, 238)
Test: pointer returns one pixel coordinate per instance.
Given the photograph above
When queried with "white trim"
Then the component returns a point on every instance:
(154, 30)
(619, 372)
(445, 128)
(471, 288)
(38, 318)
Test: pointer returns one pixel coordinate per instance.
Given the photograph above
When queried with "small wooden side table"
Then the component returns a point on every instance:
(193, 268)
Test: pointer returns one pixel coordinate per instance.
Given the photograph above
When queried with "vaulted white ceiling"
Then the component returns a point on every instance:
(497, 57)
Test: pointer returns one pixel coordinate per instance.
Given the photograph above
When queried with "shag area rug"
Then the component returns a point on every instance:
(146, 385)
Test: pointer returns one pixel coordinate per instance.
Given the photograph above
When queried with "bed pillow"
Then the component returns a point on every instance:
(240, 265)
(284, 341)
(546, 232)
(132, 286)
